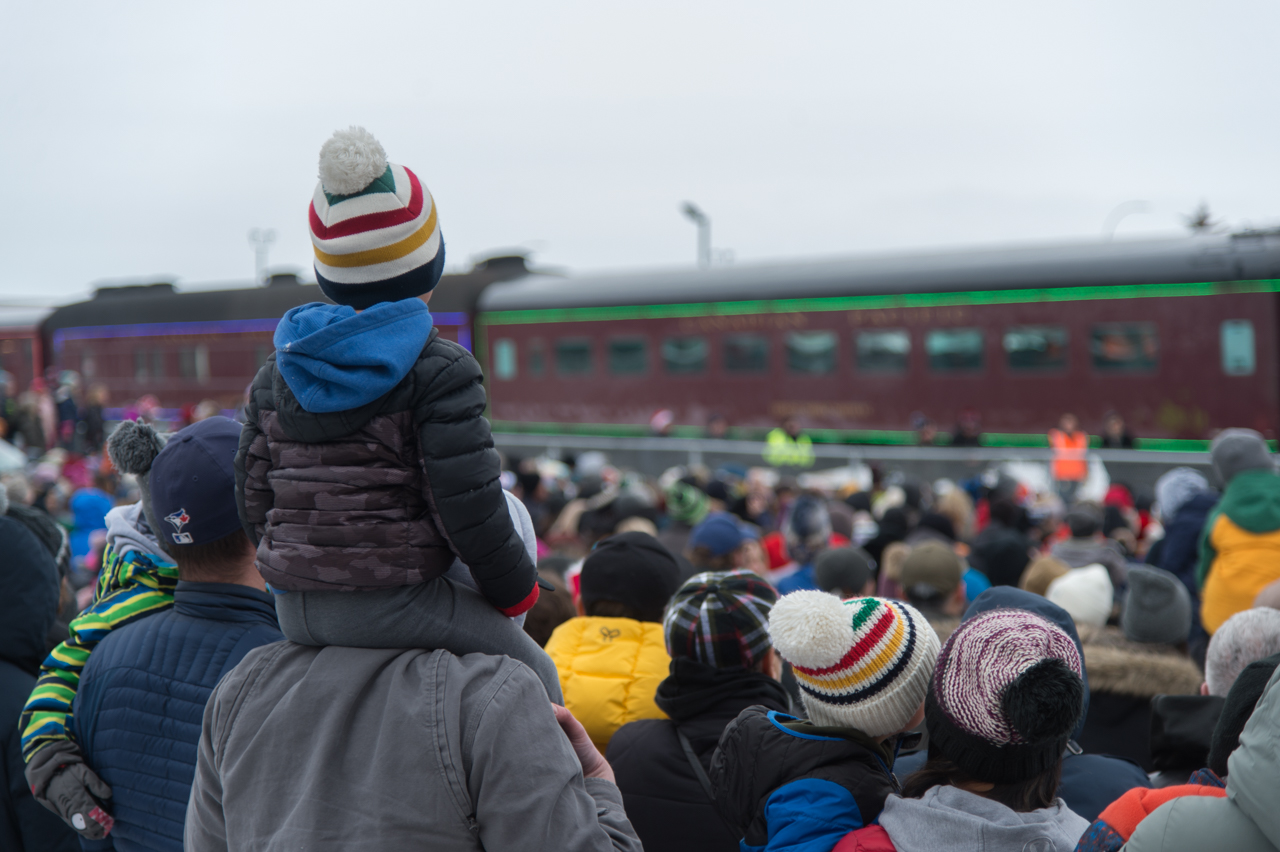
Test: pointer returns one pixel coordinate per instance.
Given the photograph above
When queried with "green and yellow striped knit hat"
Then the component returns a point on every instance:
(863, 663)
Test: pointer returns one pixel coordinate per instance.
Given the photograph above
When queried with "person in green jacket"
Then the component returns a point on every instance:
(788, 446)
(1240, 544)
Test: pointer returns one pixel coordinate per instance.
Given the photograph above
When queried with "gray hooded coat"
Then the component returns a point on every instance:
(1247, 820)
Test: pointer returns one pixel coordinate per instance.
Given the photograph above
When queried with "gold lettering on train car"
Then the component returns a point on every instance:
(743, 322)
(853, 410)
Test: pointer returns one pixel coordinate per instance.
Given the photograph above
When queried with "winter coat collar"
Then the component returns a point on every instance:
(694, 689)
(223, 602)
(1120, 667)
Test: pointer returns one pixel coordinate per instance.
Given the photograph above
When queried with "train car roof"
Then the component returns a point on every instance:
(162, 302)
(1249, 255)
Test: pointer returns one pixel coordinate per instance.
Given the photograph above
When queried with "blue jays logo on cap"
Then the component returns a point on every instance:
(180, 519)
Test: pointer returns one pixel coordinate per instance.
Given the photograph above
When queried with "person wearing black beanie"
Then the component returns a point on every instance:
(612, 656)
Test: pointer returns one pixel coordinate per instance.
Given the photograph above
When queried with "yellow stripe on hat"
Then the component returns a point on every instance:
(395, 251)
(868, 670)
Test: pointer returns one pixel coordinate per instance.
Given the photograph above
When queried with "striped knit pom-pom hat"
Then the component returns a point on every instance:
(1006, 694)
(373, 225)
(863, 663)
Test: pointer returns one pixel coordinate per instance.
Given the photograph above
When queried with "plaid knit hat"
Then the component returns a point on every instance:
(862, 663)
(1006, 694)
(373, 225)
(720, 618)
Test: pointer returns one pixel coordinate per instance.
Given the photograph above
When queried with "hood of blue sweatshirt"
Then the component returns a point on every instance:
(335, 359)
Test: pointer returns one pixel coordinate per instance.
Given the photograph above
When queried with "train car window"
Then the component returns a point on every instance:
(537, 358)
(88, 364)
(193, 363)
(1124, 347)
(261, 353)
(883, 351)
(628, 356)
(811, 351)
(504, 359)
(148, 364)
(746, 353)
(1239, 357)
(682, 356)
(953, 350)
(1036, 347)
(573, 357)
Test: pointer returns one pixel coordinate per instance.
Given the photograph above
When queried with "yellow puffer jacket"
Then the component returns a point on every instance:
(610, 669)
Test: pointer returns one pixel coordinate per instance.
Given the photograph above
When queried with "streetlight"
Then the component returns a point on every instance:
(695, 215)
(262, 238)
(1113, 219)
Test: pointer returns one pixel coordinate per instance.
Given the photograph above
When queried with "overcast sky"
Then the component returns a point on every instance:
(146, 139)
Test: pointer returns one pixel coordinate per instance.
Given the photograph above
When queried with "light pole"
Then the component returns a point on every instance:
(262, 238)
(1113, 219)
(695, 215)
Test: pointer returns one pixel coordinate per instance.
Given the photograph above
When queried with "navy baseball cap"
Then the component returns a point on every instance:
(720, 533)
(193, 483)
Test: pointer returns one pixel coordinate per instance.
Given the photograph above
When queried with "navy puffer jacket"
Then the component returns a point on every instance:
(140, 705)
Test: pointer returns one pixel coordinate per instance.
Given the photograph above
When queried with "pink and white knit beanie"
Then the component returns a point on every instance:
(863, 663)
(1006, 694)
(374, 226)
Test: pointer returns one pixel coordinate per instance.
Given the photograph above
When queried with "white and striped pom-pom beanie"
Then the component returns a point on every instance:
(374, 226)
(863, 663)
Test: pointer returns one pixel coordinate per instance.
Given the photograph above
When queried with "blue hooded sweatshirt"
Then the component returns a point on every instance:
(335, 359)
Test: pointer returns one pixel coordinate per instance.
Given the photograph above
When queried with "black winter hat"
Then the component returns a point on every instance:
(1242, 698)
(843, 568)
(634, 569)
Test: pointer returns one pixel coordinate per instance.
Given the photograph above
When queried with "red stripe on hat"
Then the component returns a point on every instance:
(370, 221)
(857, 651)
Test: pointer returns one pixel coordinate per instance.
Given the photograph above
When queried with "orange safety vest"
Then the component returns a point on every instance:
(1069, 463)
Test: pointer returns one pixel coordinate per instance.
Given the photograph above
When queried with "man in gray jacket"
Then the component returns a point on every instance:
(357, 749)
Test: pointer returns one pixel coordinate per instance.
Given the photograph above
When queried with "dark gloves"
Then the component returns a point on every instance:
(62, 782)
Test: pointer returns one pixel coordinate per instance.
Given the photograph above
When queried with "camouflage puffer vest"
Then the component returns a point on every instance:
(351, 499)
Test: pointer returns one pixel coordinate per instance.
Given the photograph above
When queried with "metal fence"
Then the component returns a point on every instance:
(653, 454)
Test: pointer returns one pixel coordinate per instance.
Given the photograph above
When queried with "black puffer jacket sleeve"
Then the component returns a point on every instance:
(462, 469)
(254, 496)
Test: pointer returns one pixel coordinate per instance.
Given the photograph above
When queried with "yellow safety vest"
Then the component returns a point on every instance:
(781, 450)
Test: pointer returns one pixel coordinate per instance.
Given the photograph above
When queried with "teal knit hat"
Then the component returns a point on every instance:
(687, 504)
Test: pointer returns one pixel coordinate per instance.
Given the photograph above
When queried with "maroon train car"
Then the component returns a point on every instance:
(1178, 336)
(184, 347)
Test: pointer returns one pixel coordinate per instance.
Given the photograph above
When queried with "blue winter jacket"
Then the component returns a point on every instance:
(1181, 551)
(140, 705)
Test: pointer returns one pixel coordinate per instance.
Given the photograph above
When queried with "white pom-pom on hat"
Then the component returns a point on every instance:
(350, 160)
(811, 629)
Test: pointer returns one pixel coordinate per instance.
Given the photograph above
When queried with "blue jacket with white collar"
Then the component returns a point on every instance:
(140, 705)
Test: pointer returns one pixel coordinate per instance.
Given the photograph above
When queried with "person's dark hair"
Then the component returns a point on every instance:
(553, 608)
(1037, 792)
(1005, 512)
(218, 561)
(1082, 523)
(614, 609)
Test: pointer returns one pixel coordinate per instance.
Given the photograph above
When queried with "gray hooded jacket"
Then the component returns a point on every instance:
(950, 818)
(1247, 820)
(355, 749)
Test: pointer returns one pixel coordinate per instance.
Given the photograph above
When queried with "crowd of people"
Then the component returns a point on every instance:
(344, 621)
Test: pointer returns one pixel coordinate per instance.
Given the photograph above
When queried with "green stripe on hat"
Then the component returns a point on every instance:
(385, 183)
